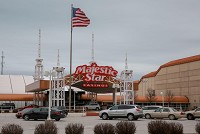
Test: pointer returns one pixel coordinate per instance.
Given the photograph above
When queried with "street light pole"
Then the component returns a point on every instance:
(74, 100)
(51, 74)
(162, 98)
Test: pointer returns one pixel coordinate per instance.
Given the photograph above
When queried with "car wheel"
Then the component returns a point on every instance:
(147, 116)
(26, 117)
(97, 108)
(172, 117)
(135, 118)
(130, 117)
(57, 119)
(190, 117)
(104, 116)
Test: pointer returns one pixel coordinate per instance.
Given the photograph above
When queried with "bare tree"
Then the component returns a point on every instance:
(135, 96)
(169, 96)
(151, 96)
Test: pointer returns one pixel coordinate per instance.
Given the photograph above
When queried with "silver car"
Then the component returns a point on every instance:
(92, 106)
(165, 112)
(132, 112)
(191, 115)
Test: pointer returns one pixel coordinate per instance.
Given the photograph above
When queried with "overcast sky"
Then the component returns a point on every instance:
(151, 32)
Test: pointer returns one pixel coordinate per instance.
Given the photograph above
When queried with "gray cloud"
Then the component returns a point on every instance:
(151, 32)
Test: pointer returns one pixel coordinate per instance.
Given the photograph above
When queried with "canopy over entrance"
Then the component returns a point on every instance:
(96, 87)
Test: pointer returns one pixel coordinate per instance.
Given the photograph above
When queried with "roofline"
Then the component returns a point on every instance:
(172, 63)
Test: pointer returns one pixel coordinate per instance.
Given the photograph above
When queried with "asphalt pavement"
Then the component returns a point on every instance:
(89, 122)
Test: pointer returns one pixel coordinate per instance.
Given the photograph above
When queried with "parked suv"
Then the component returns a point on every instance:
(148, 109)
(191, 115)
(7, 106)
(132, 112)
(92, 106)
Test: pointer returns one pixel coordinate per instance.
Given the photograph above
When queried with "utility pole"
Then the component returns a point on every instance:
(2, 63)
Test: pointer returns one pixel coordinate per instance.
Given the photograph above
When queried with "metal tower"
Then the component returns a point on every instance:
(92, 61)
(58, 92)
(39, 67)
(92, 95)
(126, 85)
(39, 96)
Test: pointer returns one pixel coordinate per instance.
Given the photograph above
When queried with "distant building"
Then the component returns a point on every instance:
(12, 89)
(181, 77)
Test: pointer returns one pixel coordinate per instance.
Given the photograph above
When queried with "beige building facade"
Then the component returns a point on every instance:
(181, 77)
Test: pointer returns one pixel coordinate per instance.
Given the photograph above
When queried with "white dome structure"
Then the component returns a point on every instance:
(14, 84)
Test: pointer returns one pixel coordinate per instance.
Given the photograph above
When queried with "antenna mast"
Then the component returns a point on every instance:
(126, 89)
(39, 67)
(39, 45)
(126, 63)
(92, 61)
(58, 59)
(2, 62)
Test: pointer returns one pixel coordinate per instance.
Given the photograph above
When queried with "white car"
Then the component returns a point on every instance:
(147, 109)
(191, 115)
(132, 112)
(165, 112)
(92, 106)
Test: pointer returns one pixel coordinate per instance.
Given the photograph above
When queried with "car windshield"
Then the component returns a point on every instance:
(158, 110)
(55, 109)
(114, 108)
(174, 110)
(25, 110)
(138, 107)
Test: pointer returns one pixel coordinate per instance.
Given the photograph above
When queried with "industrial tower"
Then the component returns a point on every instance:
(38, 98)
(39, 67)
(91, 95)
(58, 92)
(126, 85)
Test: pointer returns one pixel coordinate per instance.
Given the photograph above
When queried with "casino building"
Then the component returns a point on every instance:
(179, 77)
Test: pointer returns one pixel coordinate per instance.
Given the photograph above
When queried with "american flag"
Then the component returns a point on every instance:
(79, 19)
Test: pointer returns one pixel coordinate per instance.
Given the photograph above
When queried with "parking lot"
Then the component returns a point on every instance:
(89, 122)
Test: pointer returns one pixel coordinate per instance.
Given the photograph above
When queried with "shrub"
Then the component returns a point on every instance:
(104, 128)
(125, 127)
(197, 127)
(74, 128)
(47, 128)
(11, 129)
(158, 127)
(175, 128)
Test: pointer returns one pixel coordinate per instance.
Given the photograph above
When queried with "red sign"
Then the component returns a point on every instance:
(94, 72)
(95, 85)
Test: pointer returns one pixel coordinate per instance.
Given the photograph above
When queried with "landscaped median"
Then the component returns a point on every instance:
(122, 127)
(92, 113)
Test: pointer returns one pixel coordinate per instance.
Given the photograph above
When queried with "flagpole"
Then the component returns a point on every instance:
(70, 82)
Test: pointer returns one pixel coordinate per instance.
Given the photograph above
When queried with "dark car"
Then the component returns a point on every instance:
(63, 108)
(20, 113)
(7, 106)
(42, 113)
(29, 106)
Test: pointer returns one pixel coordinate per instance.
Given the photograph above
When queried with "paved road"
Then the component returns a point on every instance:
(89, 122)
